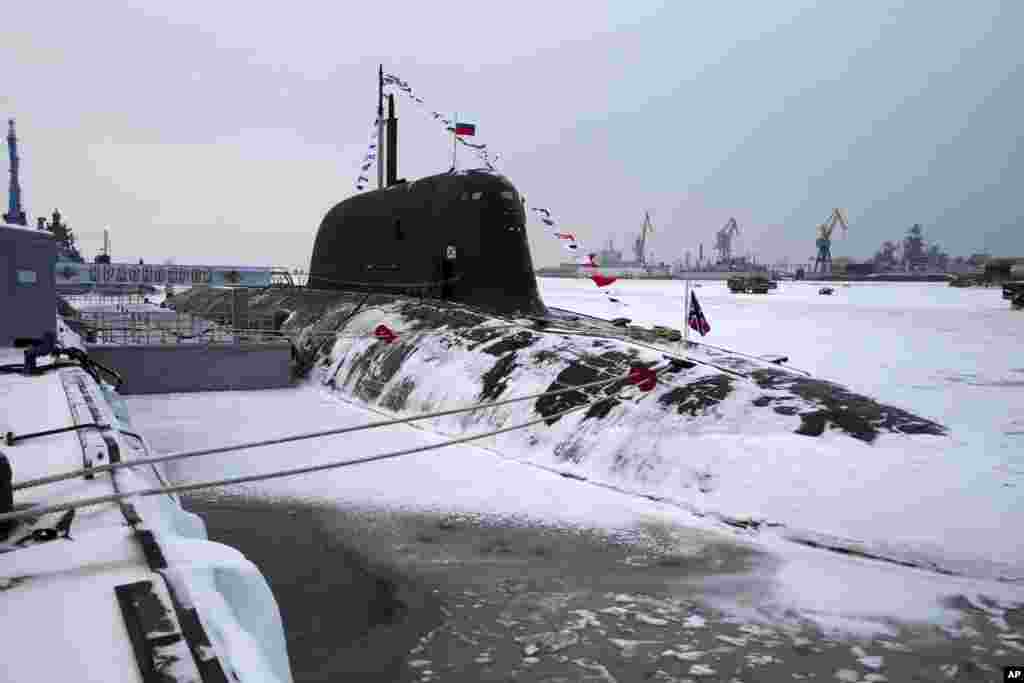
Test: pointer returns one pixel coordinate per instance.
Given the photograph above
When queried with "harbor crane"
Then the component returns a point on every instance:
(823, 262)
(640, 245)
(723, 240)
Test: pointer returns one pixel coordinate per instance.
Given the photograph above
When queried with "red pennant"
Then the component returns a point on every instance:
(602, 280)
(385, 334)
(644, 378)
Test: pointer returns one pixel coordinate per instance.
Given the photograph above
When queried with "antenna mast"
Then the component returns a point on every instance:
(380, 127)
(392, 142)
(15, 214)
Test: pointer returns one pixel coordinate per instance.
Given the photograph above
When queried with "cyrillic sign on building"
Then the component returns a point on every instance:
(139, 274)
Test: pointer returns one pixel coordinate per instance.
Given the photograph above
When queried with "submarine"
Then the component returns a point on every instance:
(458, 236)
(444, 266)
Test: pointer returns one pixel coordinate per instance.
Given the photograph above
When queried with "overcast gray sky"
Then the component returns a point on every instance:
(222, 132)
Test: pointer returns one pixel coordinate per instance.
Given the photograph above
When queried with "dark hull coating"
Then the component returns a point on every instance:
(400, 235)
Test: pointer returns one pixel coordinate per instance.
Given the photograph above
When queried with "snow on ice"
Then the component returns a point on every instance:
(943, 353)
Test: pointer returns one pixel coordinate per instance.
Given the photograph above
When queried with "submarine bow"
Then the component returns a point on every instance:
(460, 237)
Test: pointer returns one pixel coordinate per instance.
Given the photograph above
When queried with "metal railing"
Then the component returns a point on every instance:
(101, 301)
(165, 326)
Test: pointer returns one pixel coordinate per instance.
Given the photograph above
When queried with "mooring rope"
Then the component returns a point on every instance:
(170, 457)
(37, 511)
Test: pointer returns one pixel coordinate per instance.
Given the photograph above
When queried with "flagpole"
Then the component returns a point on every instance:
(455, 141)
(686, 315)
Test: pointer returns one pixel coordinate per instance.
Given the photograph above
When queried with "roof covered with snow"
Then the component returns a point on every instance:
(26, 228)
(70, 580)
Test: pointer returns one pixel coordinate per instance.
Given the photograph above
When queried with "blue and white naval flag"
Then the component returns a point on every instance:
(697, 320)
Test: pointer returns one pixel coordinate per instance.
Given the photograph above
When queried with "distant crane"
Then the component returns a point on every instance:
(723, 240)
(640, 245)
(823, 262)
(15, 214)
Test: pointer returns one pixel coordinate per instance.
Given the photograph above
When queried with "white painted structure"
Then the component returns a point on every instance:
(75, 590)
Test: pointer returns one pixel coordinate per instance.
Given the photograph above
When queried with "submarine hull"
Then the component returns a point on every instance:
(460, 237)
(653, 442)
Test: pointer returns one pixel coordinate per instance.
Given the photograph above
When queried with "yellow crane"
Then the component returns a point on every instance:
(823, 262)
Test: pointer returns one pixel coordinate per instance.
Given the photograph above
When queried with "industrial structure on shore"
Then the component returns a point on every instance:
(72, 275)
(728, 263)
(908, 259)
(15, 214)
(612, 262)
(67, 249)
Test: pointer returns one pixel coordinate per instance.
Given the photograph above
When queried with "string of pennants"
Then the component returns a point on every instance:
(481, 150)
(368, 159)
(566, 239)
(570, 244)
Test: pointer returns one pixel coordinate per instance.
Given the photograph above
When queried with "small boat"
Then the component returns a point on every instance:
(826, 291)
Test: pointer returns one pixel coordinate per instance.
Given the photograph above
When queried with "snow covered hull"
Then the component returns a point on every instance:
(448, 355)
(723, 435)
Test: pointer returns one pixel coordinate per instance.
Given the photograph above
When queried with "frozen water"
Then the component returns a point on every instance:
(948, 354)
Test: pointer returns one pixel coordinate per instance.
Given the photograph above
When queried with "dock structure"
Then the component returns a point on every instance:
(99, 560)
(160, 350)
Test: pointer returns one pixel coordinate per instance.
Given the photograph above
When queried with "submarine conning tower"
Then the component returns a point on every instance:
(458, 236)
